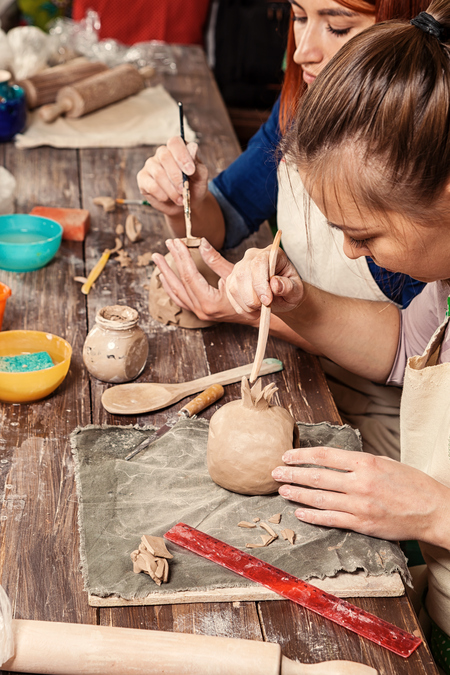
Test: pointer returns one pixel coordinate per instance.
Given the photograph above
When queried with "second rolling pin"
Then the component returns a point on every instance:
(94, 92)
(44, 86)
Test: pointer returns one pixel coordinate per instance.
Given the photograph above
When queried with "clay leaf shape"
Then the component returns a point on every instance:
(257, 398)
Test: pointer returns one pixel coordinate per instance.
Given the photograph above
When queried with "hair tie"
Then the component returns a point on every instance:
(429, 24)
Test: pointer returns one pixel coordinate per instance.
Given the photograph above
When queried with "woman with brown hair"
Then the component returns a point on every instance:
(257, 185)
(375, 156)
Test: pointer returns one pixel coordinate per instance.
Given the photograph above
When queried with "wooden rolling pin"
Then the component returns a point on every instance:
(43, 87)
(94, 92)
(80, 649)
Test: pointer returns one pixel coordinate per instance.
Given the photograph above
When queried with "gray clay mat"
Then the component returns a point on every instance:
(168, 483)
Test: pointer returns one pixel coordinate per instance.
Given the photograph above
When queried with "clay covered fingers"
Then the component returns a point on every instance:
(248, 286)
(161, 181)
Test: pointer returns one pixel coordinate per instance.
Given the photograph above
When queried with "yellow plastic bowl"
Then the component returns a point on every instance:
(31, 386)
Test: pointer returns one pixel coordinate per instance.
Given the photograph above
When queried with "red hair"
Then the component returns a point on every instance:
(384, 10)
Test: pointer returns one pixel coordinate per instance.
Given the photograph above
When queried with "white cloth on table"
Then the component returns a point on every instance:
(148, 118)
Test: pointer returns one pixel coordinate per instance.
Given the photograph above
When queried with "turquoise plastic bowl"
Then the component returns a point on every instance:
(27, 243)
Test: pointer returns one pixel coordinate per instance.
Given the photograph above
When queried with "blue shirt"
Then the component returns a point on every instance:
(247, 193)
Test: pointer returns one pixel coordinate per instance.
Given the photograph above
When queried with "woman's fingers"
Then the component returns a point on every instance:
(214, 260)
(249, 287)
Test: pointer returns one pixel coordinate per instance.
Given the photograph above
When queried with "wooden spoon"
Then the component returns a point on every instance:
(142, 397)
(264, 321)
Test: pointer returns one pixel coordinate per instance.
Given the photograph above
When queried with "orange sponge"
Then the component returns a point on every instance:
(75, 222)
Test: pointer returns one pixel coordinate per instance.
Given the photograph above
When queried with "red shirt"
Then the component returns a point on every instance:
(177, 21)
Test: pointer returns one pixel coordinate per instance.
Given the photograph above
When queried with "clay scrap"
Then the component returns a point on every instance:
(123, 258)
(247, 439)
(288, 534)
(133, 228)
(244, 523)
(108, 203)
(151, 557)
(275, 519)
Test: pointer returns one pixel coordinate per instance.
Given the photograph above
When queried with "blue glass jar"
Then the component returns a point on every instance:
(13, 108)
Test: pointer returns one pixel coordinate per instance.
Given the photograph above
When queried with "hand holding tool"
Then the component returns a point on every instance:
(186, 190)
(264, 321)
(205, 399)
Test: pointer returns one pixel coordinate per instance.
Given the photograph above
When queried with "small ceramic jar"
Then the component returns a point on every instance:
(116, 348)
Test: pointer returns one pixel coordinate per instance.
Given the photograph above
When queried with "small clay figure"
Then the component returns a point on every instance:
(163, 309)
(247, 439)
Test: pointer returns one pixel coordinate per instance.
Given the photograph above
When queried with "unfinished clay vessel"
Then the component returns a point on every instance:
(247, 439)
(116, 348)
(162, 308)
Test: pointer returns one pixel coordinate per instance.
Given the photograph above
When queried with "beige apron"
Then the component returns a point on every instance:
(317, 253)
(425, 445)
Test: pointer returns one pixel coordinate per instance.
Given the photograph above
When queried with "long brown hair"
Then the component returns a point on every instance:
(383, 102)
(384, 10)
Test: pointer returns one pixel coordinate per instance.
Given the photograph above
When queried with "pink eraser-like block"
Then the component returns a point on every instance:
(75, 222)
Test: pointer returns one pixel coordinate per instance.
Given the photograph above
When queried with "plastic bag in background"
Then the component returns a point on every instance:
(30, 49)
(81, 38)
(6, 634)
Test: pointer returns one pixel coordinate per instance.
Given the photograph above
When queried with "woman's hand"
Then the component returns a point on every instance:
(192, 292)
(161, 181)
(372, 495)
(248, 286)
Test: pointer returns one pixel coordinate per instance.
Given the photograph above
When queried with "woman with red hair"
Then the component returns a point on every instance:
(260, 184)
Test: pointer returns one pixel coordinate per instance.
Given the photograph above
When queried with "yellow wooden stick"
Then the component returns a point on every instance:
(95, 272)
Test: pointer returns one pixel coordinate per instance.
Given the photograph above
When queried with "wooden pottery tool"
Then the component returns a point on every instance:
(68, 648)
(96, 271)
(199, 403)
(186, 190)
(329, 606)
(141, 397)
(43, 87)
(94, 92)
(264, 321)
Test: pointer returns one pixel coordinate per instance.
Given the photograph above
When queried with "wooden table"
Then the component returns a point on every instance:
(39, 557)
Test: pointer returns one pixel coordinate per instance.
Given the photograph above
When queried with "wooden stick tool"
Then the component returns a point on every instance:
(264, 321)
(186, 190)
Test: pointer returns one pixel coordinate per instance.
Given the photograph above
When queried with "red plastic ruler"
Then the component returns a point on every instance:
(357, 620)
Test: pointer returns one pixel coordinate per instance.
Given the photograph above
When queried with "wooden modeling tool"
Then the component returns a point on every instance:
(186, 190)
(142, 397)
(199, 403)
(264, 321)
(96, 271)
(94, 93)
(67, 648)
(329, 606)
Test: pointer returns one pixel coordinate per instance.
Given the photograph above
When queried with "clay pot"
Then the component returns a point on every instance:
(116, 348)
(163, 309)
(247, 439)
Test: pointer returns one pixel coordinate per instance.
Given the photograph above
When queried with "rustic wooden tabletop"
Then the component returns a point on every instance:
(39, 557)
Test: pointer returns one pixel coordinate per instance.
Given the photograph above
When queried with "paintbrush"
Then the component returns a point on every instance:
(186, 191)
(138, 202)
